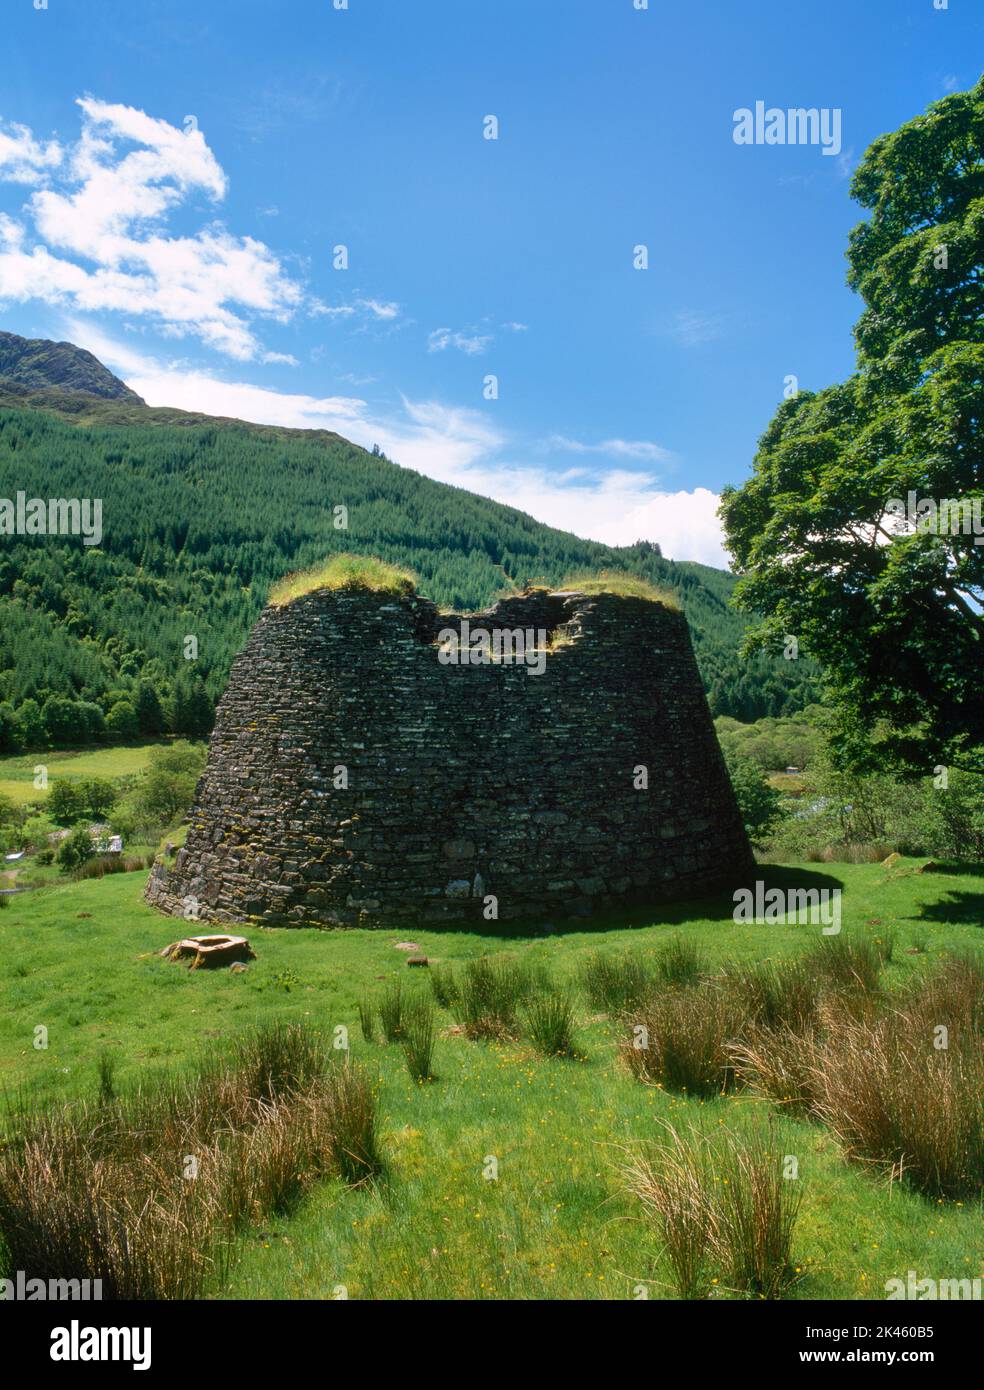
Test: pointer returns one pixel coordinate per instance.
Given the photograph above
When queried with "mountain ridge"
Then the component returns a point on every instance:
(202, 515)
(41, 363)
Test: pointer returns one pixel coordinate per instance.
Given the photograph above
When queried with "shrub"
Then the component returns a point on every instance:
(167, 788)
(954, 817)
(759, 804)
(75, 849)
(681, 1039)
(64, 803)
(36, 830)
(122, 721)
(551, 1025)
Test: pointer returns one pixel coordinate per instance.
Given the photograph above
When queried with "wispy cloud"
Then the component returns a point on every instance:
(693, 328)
(642, 449)
(380, 310)
(846, 163)
(471, 344)
(461, 446)
(359, 311)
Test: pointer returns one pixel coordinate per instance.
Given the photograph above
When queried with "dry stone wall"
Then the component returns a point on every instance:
(356, 779)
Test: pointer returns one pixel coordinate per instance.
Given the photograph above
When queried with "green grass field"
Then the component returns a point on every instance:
(17, 769)
(78, 959)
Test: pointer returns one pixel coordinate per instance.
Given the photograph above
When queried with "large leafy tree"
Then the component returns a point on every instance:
(890, 605)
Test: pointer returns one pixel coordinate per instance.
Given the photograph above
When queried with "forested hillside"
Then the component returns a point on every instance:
(201, 516)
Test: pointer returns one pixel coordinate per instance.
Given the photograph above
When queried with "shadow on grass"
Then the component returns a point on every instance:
(956, 909)
(718, 907)
(954, 869)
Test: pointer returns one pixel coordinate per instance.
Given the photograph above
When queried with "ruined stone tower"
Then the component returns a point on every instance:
(358, 775)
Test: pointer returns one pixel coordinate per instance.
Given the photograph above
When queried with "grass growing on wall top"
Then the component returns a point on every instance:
(624, 585)
(343, 572)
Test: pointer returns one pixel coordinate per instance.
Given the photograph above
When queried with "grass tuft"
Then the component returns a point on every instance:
(149, 1195)
(367, 1019)
(391, 1011)
(550, 1023)
(418, 1029)
(681, 961)
(681, 1039)
(445, 986)
(616, 982)
(619, 582)
(490, 994)
(905, 1092)
(362, 572)
(722, 1204)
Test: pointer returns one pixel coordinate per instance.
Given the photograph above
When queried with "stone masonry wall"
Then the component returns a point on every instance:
(463, 781)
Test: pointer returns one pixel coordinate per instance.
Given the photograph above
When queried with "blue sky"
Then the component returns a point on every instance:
(195, 256)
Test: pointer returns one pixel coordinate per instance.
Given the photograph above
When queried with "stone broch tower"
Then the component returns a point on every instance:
(355, 780)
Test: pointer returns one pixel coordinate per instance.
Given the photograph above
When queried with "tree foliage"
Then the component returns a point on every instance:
(889, 605)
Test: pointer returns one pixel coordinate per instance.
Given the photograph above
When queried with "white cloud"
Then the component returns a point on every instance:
(641, 449)
(457, 446)
(366, 310)
(103, 216)
(471, 344)
(24, 159)
(380, 310)
(333, 311)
